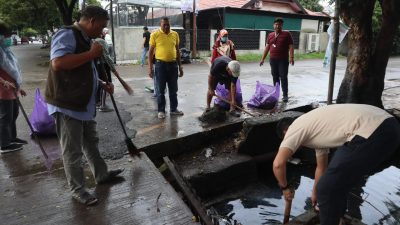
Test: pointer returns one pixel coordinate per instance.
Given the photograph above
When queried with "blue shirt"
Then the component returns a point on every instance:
(64, 43)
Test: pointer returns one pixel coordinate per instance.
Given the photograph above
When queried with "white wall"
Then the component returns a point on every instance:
(310, 26)
(128, 43)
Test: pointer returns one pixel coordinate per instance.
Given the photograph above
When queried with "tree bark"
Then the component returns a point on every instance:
(66, 10)
(366, 61)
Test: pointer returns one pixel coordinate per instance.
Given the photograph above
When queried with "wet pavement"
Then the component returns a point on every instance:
(308, 82)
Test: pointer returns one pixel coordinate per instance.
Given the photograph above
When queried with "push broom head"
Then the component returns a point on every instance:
(133, 151)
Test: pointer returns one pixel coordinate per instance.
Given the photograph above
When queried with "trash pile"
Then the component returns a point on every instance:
(214, 114)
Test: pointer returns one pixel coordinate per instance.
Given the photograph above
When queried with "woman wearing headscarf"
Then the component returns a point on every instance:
(223, 46)
(10, 86)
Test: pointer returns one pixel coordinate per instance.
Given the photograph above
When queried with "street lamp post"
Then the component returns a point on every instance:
(335, 43)
(194, 52)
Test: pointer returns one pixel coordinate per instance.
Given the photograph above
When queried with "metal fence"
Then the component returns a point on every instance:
(203, 39)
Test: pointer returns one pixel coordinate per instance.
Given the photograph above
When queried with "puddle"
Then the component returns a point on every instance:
(262, 203)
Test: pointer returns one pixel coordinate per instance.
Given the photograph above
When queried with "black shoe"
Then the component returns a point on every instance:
(112, 176)
(19, 141)
(11, 148)
(285, 99)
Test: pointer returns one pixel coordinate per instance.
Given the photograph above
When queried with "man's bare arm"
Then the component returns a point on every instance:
(279, 165)
(150, 60)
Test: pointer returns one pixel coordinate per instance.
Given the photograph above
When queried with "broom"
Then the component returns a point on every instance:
(48, 161)
(132, 149)
(286, 215)
(240, 108)
(106, 58)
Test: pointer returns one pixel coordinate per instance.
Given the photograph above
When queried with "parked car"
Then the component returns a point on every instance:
(24, 40)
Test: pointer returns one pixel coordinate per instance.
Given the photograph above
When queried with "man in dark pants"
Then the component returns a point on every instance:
(364, 135)
(168, 59)
(225, 71)
(280, 44)
(145, 45)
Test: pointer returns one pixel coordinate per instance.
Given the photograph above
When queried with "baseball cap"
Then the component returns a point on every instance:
(234, 67)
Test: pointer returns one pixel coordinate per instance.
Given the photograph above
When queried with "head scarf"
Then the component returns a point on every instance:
(8, 62)
(222, 32)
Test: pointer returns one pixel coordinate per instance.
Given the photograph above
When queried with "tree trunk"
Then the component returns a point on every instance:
(66, 10)
(366, 61)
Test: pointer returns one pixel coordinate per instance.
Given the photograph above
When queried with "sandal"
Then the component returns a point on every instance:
(84, 198)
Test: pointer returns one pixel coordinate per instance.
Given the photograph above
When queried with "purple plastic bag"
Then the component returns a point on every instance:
(42, 122)
(265, 97)
(224, 93)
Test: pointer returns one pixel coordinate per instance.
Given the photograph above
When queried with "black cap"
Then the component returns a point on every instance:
(145, 28)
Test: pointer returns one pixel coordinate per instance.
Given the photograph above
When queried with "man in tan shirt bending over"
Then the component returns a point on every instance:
(364, 135)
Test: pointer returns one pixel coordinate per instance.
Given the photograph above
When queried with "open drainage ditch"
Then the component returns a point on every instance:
(229, 170)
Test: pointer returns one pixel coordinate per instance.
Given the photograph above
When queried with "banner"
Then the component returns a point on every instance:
(343, 29)
(187, 5)
(81, 2)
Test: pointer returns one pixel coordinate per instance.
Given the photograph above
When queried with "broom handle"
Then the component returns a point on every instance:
(114, 104)
(119, 117)
(240, 108)
(286, 215)
(30, 126)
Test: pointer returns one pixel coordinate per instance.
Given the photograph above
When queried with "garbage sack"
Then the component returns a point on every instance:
(265, 97)
(42, 122)
(224, 93)
(185, 55)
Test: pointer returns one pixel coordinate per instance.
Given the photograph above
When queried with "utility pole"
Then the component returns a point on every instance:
(194, 52)
(335, 43)
(187, 30)
(112, 30)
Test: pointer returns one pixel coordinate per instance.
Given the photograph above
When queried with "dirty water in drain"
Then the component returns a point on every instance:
(376, 200)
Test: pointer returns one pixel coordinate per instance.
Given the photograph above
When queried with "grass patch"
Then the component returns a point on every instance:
(251, 57)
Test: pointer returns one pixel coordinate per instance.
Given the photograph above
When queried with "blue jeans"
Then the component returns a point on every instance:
(279, 71)
(8, 116)
(166, 74)
(350, 163)
(144, 53)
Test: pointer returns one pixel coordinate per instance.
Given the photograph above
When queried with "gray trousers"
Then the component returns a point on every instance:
(77, 138)
(8, 116)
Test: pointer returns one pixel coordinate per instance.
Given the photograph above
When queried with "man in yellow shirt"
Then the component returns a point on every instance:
(364, 135)
(167, 61)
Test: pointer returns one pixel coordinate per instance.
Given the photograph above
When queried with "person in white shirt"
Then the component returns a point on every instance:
(364, 135)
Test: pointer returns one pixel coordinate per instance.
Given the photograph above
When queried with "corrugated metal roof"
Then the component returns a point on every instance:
(207, 4)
